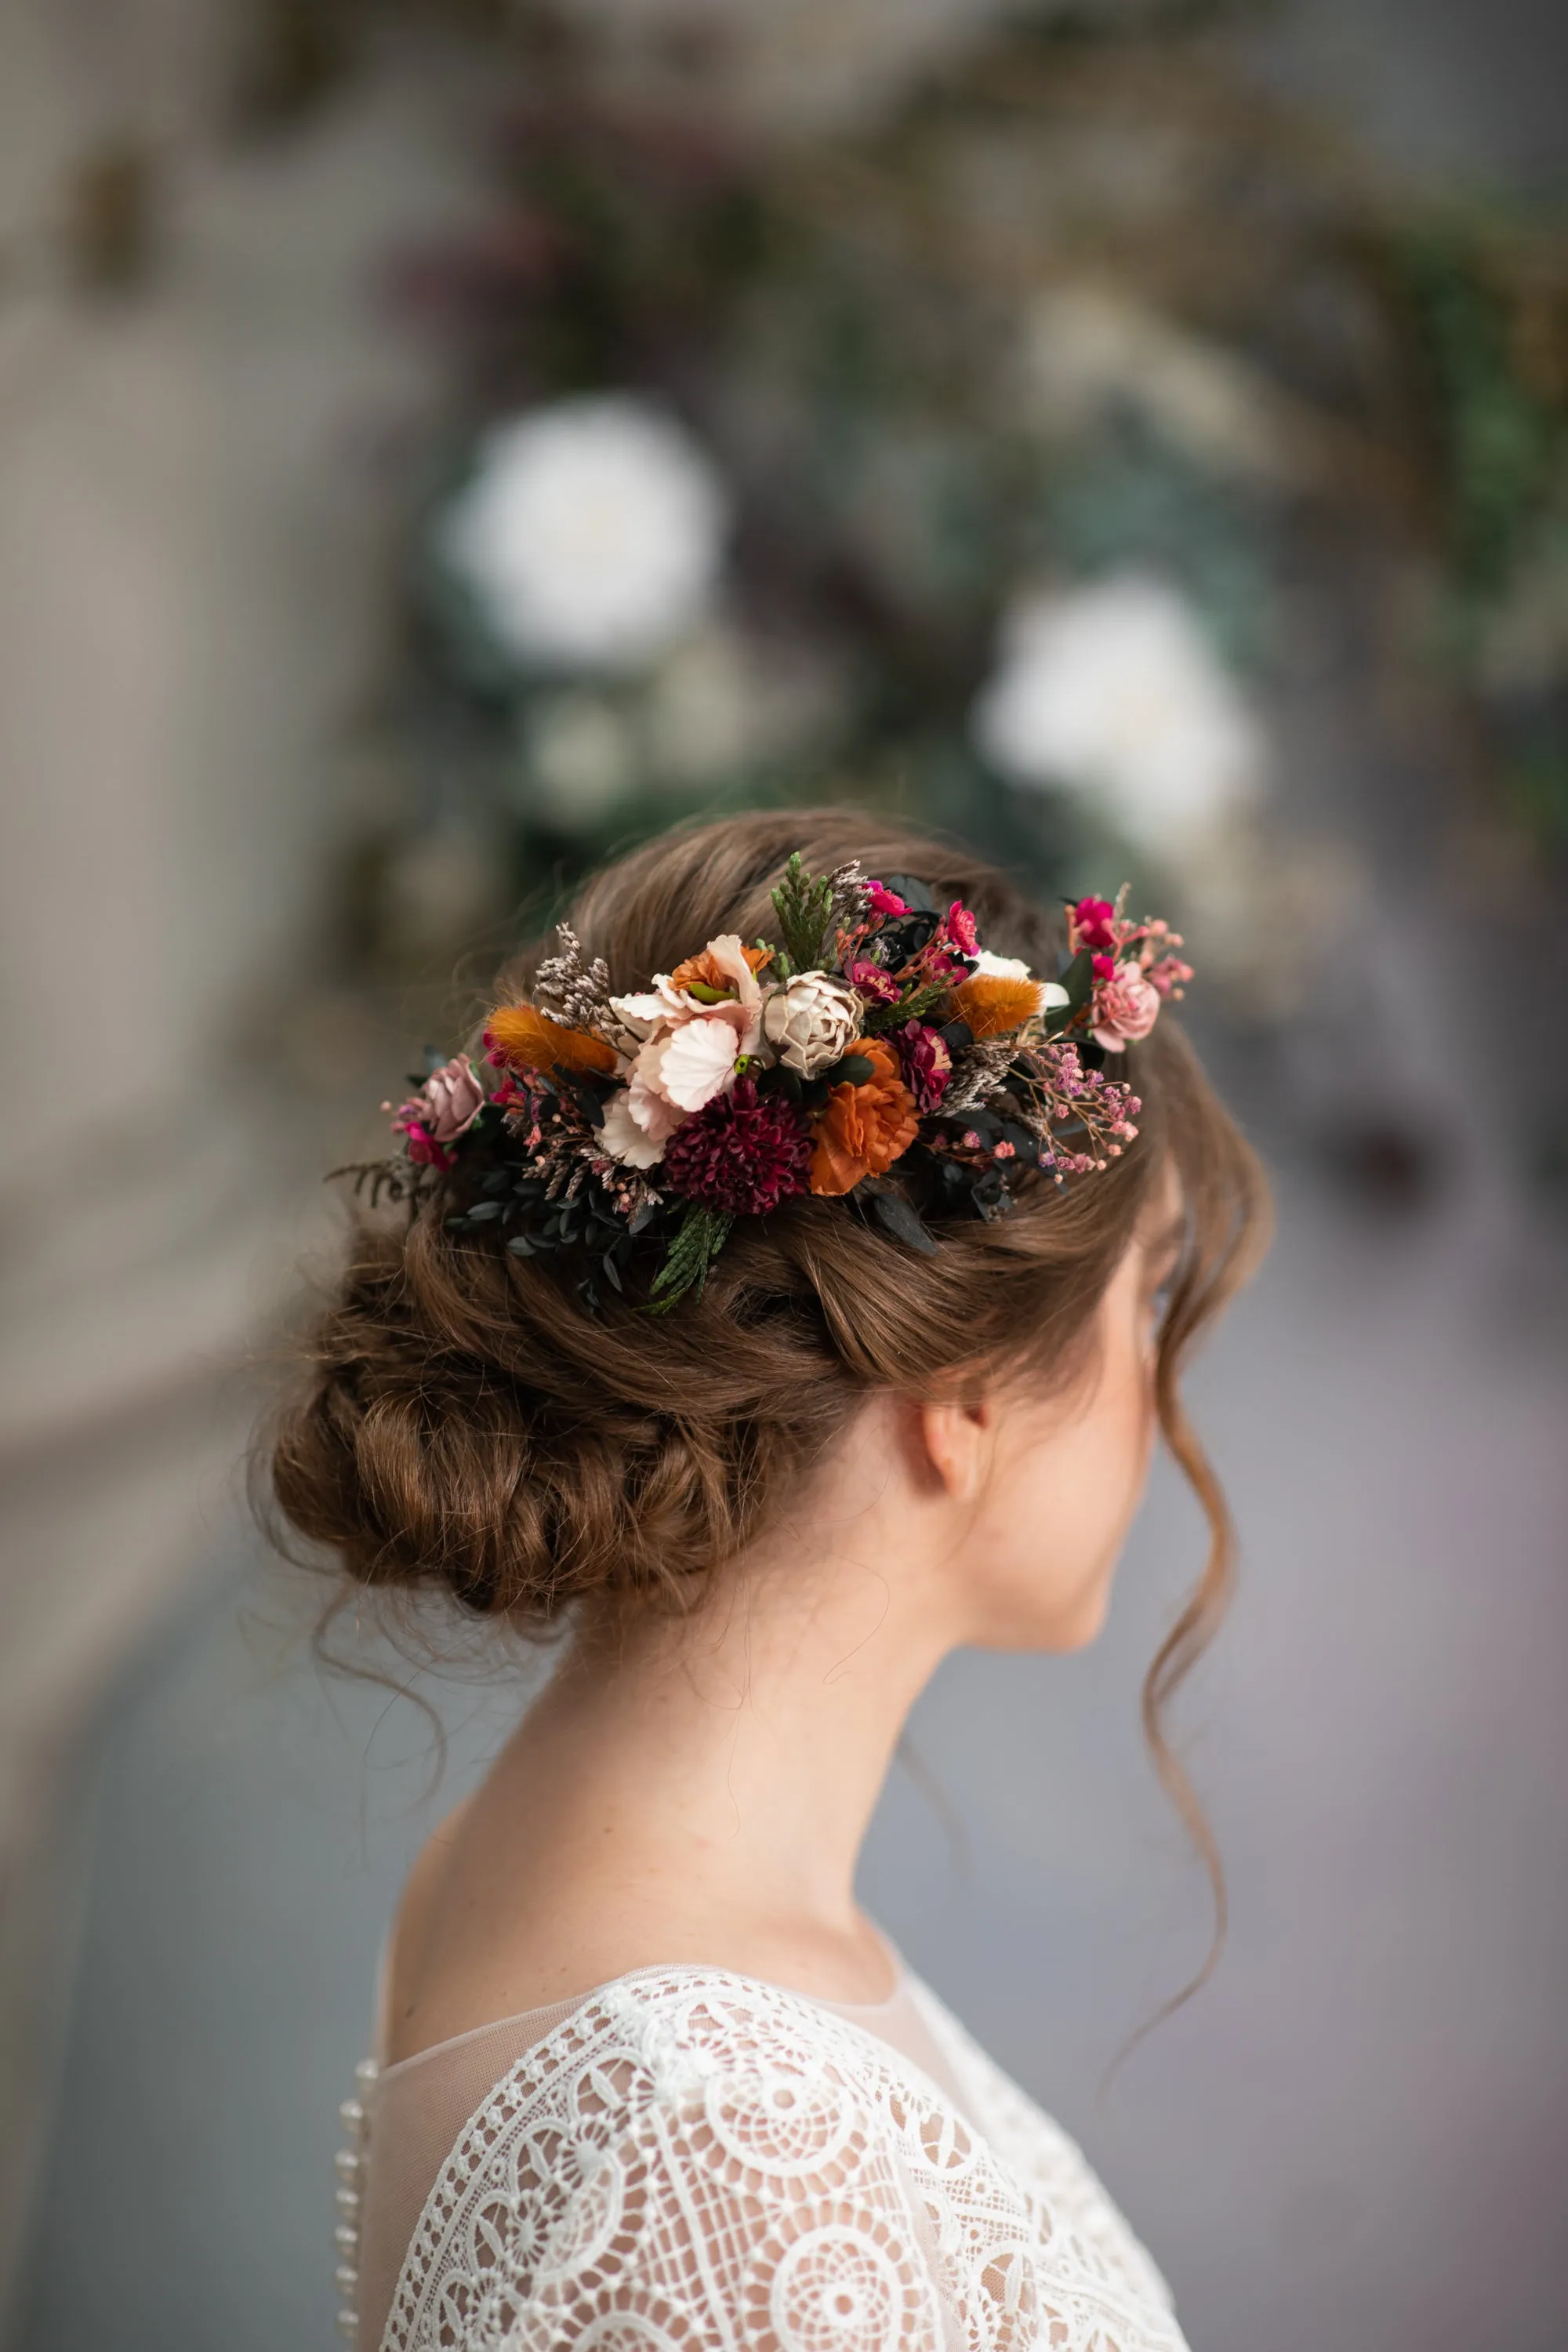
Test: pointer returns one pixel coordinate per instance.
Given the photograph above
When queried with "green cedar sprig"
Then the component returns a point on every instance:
(804, 905)
(698, 1243)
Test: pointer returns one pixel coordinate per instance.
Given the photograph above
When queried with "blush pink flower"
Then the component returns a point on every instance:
(1125, 1008)
(454, 1098)
(686, 1050)
(445, 1108)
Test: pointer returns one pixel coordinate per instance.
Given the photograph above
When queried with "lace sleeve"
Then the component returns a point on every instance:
(763, 2212)
(701, 2164)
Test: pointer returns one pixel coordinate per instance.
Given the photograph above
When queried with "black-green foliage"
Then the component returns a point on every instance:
(898, 1216)
(701, 1236)
(512, 1198)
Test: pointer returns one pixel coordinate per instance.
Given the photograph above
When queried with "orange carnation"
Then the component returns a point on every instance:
(993, 1004)
(863, 1129)
(704, 969)
(526, 1039)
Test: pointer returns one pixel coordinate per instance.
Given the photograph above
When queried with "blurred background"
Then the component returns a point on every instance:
(441, 444)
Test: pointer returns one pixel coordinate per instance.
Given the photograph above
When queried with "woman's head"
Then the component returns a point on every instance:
(470, 1429)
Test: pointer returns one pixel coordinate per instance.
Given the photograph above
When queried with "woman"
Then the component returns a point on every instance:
(788, 1296)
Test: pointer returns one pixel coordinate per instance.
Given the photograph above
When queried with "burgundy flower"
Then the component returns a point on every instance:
(1089, 924)
(927, 1065)
(423, 1148)
(868, 979)
(743, 1152)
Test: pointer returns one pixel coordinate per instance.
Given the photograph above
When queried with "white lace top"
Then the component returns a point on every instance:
(688, 2160)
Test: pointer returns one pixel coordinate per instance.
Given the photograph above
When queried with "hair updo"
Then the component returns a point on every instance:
(469, 1428)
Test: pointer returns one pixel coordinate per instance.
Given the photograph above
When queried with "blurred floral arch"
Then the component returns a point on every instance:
(1016, 457)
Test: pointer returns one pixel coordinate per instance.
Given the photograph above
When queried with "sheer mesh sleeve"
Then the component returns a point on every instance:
(696, 2163)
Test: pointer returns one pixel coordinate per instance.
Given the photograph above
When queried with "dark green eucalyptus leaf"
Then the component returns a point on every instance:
(903, 1221)
(853, 1070)
(1078, 981)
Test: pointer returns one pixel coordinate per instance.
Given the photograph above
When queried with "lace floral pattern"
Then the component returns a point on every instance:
(694, 2162)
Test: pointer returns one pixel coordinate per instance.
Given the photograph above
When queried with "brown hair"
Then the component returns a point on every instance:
(469, 1428)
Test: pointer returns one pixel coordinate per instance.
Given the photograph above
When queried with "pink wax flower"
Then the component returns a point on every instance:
(1170, 975)
(883, 901)
(1125, 1007)
(1089, 924)
(1103, 967)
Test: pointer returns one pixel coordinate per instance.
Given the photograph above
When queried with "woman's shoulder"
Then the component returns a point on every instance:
(718, 2146)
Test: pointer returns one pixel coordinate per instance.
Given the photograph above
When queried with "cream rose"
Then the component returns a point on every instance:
(810, 1021)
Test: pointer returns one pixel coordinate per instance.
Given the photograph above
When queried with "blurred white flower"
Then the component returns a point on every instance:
(1114, 691)
(591, 532)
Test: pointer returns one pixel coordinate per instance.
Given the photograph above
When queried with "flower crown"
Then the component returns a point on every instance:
(874, 1033)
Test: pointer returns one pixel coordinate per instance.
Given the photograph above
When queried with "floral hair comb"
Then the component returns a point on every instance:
(875, 1032)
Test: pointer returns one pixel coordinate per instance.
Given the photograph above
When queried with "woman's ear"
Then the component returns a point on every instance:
(958, 1439)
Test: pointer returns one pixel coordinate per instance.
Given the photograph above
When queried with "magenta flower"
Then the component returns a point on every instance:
(423, 1148)
(958, 930)
(742, 1153)
(1091, 924)
(883, 901)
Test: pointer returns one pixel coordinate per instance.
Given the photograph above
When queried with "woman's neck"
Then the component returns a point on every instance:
(697, 1790)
